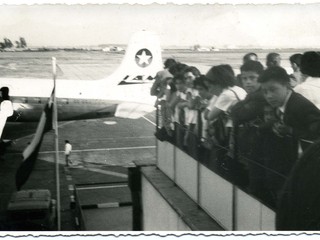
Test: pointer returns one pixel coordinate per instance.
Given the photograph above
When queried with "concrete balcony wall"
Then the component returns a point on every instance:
(165, 152)
(257, 216)
(216, 197)
(158, 215)
(224, 202)
(186, 174)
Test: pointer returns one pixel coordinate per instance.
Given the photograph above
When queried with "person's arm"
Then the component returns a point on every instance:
(224, 101)
(214, 113)
(248, 109)
(182, 104)
(191, 101)
(173, 101)
(161, 90)
(303, 117)
(154, 91)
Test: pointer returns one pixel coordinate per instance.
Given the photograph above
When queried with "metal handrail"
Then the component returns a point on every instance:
(218, 147)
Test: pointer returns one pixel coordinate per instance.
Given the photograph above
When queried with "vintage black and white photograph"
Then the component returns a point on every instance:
(160, 117)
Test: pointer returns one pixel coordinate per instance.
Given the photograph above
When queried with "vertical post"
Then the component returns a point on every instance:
(134, 181)
(234, 208)
(55, 124)
(198, 154)
(157, 129)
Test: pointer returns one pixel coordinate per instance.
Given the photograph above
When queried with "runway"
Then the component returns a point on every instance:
(101, 154)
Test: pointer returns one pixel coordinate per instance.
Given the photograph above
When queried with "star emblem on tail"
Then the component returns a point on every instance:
(143, 58)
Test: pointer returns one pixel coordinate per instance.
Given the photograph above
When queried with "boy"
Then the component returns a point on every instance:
(177, 104)
(201, 102)
(179, 100)
(299, 117)
(250, 57)
(248, 113)
(252, 106)
(272, 159)
(246, 58)
(296, 77)
(273, 59)
(310, 67)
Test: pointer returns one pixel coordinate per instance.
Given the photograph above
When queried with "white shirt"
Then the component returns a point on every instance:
(228, 97)
(67, 149)
(6, 110)
(282, 109)
(310, 89)
(212, 102)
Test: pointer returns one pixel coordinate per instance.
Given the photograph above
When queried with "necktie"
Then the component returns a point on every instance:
(280, 115)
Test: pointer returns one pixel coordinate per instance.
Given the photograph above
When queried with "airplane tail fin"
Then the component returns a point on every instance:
(141, 61)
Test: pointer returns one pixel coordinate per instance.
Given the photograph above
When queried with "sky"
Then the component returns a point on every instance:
(217, 25)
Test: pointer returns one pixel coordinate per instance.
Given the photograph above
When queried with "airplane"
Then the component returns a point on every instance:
(125, 93)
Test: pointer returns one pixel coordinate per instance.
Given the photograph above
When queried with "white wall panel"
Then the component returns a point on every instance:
(166, 158)
(186, 174)
(268, 221)
(216, 197)
(157, 213)
(248, 212)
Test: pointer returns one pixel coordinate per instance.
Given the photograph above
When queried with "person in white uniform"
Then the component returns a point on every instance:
(310, 67)
(67, 152)
(6, 108)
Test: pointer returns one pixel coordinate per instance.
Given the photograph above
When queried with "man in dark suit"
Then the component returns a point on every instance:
(298, 116)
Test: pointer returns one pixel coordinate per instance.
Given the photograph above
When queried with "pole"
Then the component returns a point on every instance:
(55, 124)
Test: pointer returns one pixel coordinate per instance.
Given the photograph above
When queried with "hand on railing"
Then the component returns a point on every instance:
(281, 130)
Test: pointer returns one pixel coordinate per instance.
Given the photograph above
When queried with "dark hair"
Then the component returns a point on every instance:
(271, 58)
(5, 93)
(200, 81)
(179, 77)
(310, 64)
(169, 62)
(275, 73)
(221, 75)
(296, 58)
(178, 68)
(248, 56)
(195, 71)
(299, 208)
(252, 66)
(67, 141)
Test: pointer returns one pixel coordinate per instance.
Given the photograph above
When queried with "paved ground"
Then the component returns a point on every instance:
(102, 150)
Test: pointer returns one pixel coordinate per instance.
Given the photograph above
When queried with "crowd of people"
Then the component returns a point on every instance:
(260, 121)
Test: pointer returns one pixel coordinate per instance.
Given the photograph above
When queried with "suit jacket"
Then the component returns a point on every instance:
(303, 117)
(249, 109)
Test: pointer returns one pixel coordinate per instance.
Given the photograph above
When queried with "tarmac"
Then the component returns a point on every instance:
(103, 149)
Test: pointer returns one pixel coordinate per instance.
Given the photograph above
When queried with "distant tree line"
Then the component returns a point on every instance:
(21, 43)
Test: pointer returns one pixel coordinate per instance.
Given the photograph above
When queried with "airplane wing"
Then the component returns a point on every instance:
(133, 110)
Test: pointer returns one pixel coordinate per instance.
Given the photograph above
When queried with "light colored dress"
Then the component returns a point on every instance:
(6, 110)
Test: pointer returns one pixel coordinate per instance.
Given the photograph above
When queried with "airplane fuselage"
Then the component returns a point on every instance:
(76, 99)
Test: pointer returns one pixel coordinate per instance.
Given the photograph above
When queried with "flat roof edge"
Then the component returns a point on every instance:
(189, 211)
